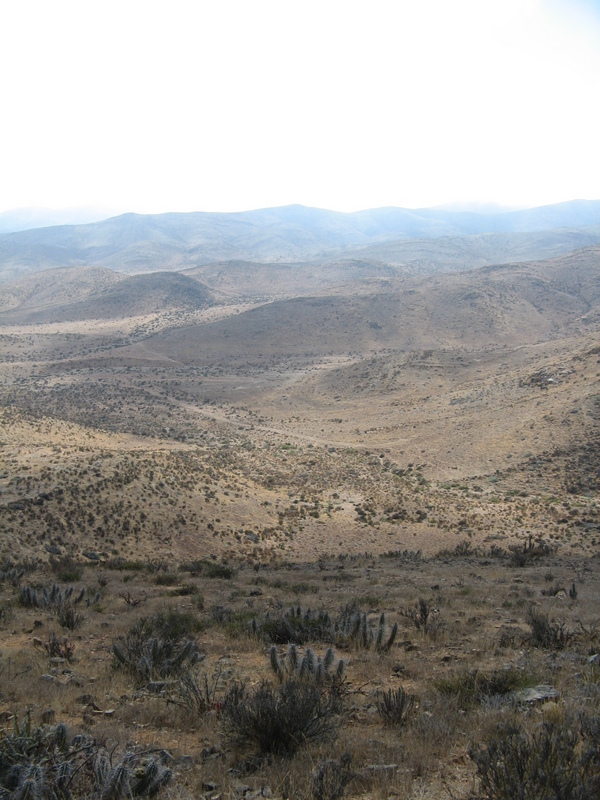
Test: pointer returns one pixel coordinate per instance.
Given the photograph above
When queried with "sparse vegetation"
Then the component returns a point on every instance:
(267, 535)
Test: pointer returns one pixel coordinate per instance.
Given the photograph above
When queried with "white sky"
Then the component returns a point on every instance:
(226, 105)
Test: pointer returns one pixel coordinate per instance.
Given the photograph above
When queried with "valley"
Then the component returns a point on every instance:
(401, 421)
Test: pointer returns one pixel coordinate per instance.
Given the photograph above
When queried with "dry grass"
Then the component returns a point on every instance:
(480, 637)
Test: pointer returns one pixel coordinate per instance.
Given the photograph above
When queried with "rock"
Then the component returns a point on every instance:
(84, 699)
(210, 752)
(382, 768)
(89, 554)
(47, 678)
(54, 551)
(536, 695)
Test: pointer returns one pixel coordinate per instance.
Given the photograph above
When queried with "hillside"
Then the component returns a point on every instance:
(84, 294)
(500, 305)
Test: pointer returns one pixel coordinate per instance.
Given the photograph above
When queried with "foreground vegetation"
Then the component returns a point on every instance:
(467, 674)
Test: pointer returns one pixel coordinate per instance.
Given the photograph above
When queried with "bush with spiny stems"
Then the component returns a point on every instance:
(554, 762)
(473, 686)
(48, 763)
(280, 719)
(158, 647)
(424, 617)
(545, 634)
(294, 626)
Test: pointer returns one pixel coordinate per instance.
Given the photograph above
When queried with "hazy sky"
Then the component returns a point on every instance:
(234, 104)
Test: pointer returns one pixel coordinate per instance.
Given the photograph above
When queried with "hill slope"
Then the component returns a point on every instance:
(65, 295)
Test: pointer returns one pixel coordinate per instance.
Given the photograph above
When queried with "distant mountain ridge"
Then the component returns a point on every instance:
(143, 243)
(24, 219)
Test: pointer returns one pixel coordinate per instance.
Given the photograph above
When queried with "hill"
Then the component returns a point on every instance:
(88, 293)
(507, 304)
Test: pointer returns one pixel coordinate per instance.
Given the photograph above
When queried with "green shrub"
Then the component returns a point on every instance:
(66, 569)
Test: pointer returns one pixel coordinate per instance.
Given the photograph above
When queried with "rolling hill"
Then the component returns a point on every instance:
(497, 305)
(87, 293)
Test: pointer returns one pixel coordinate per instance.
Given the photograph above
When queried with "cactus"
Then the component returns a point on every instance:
(117, 785)
(309, 668)
(47, 763)
(53, 598)
(394, 707)
(150, 657)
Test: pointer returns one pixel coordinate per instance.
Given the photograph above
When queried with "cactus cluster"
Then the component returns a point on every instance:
(153, 649)
(47, 762)
(295, 626)
(354, 629)
(351, 629)
(395, 706)
(309, 667)
(12, 575)
(54, 598)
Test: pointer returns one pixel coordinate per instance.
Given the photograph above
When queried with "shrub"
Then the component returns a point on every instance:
(198, 693)
(213, 570)
(394, 707)
(553, 763)
(526, 554)
(424, 617)
(545, 634)
(69, 618)
(330, 778)
(295, 626)
(66, 569)
(471, 687)
(165, 579)
(280, 719)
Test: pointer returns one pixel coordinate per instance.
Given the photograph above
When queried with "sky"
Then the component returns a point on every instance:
(227, 105)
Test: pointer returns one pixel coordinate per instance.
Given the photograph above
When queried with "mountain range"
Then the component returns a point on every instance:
(133, 243)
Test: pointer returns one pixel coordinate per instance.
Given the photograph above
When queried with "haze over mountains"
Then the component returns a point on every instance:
(292, 234)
